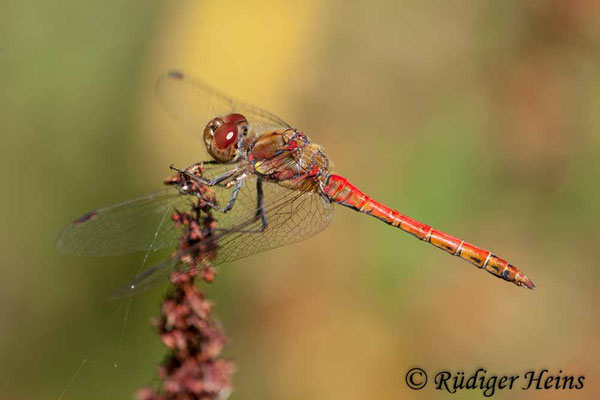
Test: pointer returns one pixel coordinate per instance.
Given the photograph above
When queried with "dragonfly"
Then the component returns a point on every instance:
(272, 186)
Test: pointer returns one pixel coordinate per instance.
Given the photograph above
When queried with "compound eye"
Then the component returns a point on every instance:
(226, 135)
(234, 118)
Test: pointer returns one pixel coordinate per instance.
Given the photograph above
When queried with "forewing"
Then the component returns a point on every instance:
(194, 104)
(134, 225)
(291, 216)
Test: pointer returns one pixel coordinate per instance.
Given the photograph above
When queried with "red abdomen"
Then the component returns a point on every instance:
(340, 191)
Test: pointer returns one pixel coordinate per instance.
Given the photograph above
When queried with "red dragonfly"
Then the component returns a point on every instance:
(273, 187)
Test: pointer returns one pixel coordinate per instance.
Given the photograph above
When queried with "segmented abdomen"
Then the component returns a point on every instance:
(340, 191)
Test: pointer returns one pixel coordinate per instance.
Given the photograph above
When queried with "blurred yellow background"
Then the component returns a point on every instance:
(480, 118)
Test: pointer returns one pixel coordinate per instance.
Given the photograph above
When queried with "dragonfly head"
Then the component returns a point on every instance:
(223, 135)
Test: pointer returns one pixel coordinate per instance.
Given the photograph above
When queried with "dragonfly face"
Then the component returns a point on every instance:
(223, 136)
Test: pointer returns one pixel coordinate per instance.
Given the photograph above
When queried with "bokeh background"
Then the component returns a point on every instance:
(480, 118)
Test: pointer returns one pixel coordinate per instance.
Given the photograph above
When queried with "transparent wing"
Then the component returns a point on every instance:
(291, 216)
(159, 273)
(134, 225)
(195, 104)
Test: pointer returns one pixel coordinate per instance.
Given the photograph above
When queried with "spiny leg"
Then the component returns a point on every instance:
(260, 206)
(211, 182)
(260, 212)
(234, 194)
(207, 162)
(236, 189)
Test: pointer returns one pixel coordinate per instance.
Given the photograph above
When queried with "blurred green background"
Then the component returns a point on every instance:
(480, 118)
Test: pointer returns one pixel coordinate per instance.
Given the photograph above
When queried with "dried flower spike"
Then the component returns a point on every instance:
(194, 368)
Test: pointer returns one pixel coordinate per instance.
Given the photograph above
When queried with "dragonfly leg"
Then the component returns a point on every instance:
(234, 194)
(211, 182)
(260, 207)
(260, 211)
(208, 162)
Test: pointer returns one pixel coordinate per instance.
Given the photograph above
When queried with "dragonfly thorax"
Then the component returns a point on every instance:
(287, 157)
